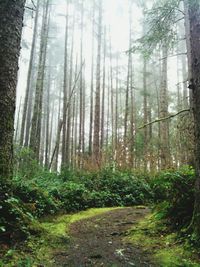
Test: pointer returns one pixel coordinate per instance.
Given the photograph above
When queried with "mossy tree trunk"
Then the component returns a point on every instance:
(11, 22)
(194, 20)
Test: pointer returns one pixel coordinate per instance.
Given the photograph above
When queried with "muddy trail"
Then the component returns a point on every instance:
(100, 241)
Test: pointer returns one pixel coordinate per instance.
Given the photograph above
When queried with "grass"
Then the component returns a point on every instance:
(54, 236)
(165, 249)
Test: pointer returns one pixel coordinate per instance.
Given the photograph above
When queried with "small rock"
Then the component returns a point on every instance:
(97, 256)
(131, 264)
(115, 233)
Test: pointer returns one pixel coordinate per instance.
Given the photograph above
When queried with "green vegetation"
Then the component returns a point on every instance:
(27, 200)
(54, 235)
(34, 193)
(174, 196)
(166, 248)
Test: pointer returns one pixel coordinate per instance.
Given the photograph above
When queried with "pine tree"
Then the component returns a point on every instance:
(11, 19)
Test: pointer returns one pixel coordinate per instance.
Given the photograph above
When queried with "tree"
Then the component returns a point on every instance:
(38, 104)
(164, 125)
(96, 142)
(65, 87)
(11, 22)
(28, 93)
(194, 22)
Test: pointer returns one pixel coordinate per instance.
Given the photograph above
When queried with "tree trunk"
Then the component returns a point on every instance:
(96, 142)
(92, 84)
(38, 105)
(194, 18)
(164, 125)
(65, 85)
(30, 72)
(103, 94)
(11, 21)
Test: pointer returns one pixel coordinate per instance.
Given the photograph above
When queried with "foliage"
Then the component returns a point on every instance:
(36, 199)
(164, 246)
(26, 199)
(16, 220)
(160, 19)
(25, 162)
(54, 236)
(174, 191)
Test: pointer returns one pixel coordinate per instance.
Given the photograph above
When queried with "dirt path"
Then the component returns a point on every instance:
(99, 241)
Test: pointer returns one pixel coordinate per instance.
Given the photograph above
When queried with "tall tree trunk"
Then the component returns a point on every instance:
(145, 113)
(30, 74)
(103, 94)
(11, 21)
(96, 142)
(92, 84)
(126, 115)
(59, 126)
(164, 125)
(69, 116)
(38, 105)
(116, 110)
(47, 120)
(194, 19)
(65, 86)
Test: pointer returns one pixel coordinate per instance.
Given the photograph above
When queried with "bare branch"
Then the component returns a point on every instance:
(175, 55)
(30, 8)
(165, 118)
(61, 122)
(33, 4)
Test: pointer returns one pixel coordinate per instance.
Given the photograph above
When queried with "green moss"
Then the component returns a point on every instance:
(165, 248)
(54, 236)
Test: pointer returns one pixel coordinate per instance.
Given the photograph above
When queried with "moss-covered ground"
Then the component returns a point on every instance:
(148, 236)
(167, 249)
(54, 234)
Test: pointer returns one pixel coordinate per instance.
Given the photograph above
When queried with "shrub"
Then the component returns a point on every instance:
(73, 196)
(174, 190)
(16, 221)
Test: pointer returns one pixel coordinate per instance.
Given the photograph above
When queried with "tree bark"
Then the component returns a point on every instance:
(65, 85)
(194, 18)
(96, 142)
(11, 22)
(38, 104)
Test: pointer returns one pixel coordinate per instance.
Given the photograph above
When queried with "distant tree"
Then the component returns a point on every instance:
(96, 141)
(36, 123)
(92, 83)
(28, 93)
(11, 21)
(65, 88)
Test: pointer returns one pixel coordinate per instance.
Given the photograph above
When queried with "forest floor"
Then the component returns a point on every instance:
(107, 237)
(99, 241)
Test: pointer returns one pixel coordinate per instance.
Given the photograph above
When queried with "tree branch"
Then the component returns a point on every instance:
(163, 119)
(61, 122)
(30, 8)
(175, 55)
(33, 4)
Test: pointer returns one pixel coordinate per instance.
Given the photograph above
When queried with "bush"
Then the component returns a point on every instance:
(38, 200)
(16, 221)
(73, 196)
(81, 190)
(174, 194)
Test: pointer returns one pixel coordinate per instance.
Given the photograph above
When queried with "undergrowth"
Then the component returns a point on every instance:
(165, 248)
(34, 193)
(54, 235)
